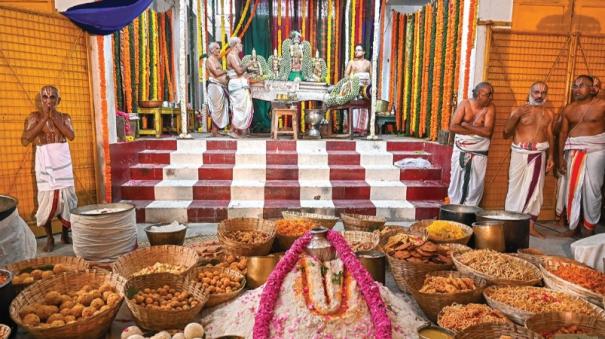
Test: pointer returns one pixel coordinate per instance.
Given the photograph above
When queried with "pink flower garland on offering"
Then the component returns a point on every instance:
(367, 285)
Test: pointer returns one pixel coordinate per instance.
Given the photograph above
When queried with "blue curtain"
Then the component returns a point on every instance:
(106, 16)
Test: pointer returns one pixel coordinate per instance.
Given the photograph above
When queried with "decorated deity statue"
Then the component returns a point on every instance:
(275, 64)
(296, 57)
(255, 66)
(318, 72)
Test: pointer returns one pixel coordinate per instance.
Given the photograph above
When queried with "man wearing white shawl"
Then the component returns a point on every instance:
(473, 123)
(218, 105)
(531, 128)
(240, 98)
(582, 156)
(49, 131)
(362, 68)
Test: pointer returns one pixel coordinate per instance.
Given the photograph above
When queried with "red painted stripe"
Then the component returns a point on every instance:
(577, 161)
(207, 210)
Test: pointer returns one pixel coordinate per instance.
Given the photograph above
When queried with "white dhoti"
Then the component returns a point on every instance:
(55, 181)
(469, 161)
(585, 156)
(360, 115)
(217, 103)
(240, 101)
(526, 178)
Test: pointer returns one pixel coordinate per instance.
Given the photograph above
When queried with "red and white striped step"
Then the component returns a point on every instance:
(209, 180)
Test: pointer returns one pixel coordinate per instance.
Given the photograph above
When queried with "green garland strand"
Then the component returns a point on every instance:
(443, 54)
(420, 67)
(429, 106)
(170, 67)
(118, 66)
(133, 75)
(409, 55)
(152, 58)
(140, 61)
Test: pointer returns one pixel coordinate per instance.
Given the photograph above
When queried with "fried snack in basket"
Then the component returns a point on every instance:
(159, 267)
(248, 237)
(446, 285)
(497, 265)
(445, 230)
(458, 317)
(294, 227)
(416, 250)
(583, 276)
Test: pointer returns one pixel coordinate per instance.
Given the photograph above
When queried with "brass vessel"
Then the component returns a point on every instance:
(374, 263)
(489, 234)
(319, 246)
(259, 268)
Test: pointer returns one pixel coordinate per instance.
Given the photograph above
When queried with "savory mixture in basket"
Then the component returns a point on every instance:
(32, 274)
(538, 300)
(248, 237)
(219, 282)
(447, 285)
(294, 227)
(583, 276)
(59, 309)
(416, 250)
(165, 298)
(458, 317)
(567, 329)
(209, 249)
(497, 265)
(445, 230)
(239, 264)
(359, 246)
(159, 267)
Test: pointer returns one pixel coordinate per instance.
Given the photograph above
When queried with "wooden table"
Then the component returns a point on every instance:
(157, 116)
(354, 104)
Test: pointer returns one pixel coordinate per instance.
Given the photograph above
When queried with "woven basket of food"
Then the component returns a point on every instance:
(156, 259)
(548, 325)
(579, 280)
(5, 331)
(443, 231)
(519, 303)
(26, 272)
(361, 241)
(327, 221)
(288, 230)
(361, 222)
(71, 305)
(236, 263)
(221, 284)
(163, 301)
(411, 256)
(497, 331)
(457, 317)
(247, 236)
(497, 268)
(438, 289)
(387, 232)
(208, 248)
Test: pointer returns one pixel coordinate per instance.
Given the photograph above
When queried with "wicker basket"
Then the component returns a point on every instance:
(548, 322)
(77, 262)
(92, 327)
(497, 330)
(432, 303)
(215, 299)
(387, 232)
(361, 222)
(372, 239)
(520, 316)
(246, 224)
(5, 331)
(159, 320)
(556, 283)
(421, 226)
(403, 270)
(496, 281)
(326, 221)
(135, 261)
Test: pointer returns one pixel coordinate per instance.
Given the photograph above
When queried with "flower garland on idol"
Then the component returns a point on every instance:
(369, 288)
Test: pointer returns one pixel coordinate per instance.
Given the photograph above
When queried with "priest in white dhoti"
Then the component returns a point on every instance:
(240, 98)
(473, 123)
(49, 131)
(530, 126)
(217, 100)
(361, 68)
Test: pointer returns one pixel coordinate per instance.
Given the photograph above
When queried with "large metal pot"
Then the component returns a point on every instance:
(7, 294)
(8, 205)
(460, 213)
(516, 227)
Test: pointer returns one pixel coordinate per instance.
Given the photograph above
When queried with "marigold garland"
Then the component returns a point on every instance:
(430, 76)
(117, 69)
(458, 46)
(398, 62)
(444, 69)
(437, 71)
(409, 69)
(470, 42)
(425, 95)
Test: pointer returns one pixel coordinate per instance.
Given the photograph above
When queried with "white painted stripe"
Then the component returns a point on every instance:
(382, 173)
(386, 190)
(245, 209)
(320, 190)
(167, 211)
(245, 187)
(191, 145)
(314, 172)
(180, 172)
(395, 209)
(192, 158)
(251, 171)
(248, 190)
(370, 146)
(174, 190)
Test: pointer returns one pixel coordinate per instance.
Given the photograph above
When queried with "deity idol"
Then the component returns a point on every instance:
(296, 57)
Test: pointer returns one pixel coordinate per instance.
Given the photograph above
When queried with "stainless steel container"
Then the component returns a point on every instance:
(460, 213)
(374, 262)
(490, 235)
(516, 227)
(314, 117)
(319, 246)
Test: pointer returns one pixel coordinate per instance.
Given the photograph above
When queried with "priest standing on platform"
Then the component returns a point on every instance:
(473, 123)
(218, 103)
(240, 98)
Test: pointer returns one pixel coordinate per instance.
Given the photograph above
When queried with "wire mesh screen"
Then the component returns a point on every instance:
(35, 50)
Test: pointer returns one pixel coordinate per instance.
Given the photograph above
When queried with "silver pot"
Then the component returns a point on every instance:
(314, 117)
(516, 227)
(319, 246)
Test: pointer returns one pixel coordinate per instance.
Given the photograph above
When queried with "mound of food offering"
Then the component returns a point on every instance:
(33, 274)
(248, 237)
(445, 230)
(541, 300)
(231, 261)
(417, 250)
(159, 267)
(458, 317)
(165, 298)
(581, 275)
(447, 285)
(60, 309)
(567, 329)
(208, 249)
(498, 265)
(294, 227)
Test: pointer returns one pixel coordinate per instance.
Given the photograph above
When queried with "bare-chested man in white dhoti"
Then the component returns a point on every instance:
(532, 154)
(361, 68)
(218, 103)
(582, 156)
(473, 123)
(240, 99)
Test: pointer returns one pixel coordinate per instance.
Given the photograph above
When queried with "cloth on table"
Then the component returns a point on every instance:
(590, 251)
(469, 162)
(585, 156)
(240, 101)
(218, 104)
(526, 178)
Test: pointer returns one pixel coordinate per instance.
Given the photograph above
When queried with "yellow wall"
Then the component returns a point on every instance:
(547, 16)
(40, 6)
